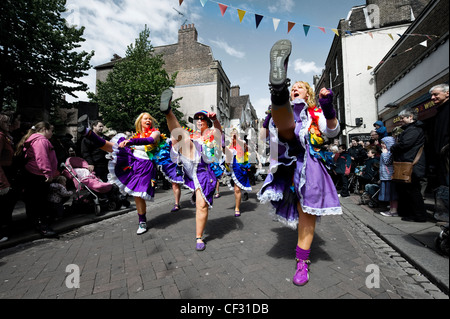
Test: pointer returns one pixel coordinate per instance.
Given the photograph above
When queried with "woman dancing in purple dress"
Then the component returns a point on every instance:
(191, 157)
(132, 167)
(299, 130)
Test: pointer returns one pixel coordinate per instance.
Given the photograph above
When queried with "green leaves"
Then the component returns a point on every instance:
(134, 86)
(37, 47)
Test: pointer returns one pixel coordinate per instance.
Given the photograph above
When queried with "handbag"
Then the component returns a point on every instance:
(403, 170)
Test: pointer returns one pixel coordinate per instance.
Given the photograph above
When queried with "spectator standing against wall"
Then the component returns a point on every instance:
(40, 169)
(410, 201)
(439, 95)
(8, 197)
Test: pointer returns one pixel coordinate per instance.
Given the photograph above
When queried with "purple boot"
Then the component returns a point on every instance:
(301, 276)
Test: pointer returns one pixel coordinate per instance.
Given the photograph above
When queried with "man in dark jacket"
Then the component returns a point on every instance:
(410, 201)
(440, 95)
(95, 156)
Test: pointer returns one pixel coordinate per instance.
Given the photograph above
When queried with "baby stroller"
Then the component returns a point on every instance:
(370, 196)
(92, 193)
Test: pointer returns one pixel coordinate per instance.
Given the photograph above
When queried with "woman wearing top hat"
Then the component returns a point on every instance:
(191, 155)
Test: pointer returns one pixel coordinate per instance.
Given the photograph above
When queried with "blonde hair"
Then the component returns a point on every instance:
(311, 101)
(137, 123)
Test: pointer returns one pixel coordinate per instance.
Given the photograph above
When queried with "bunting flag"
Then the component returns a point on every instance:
(223, 8)
(276, 22)
(258, 19)
(241, 14)
(306, 29)
(290, 26)
(424, 43)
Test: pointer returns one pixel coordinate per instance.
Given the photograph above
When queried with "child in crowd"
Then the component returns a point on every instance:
(58, 195)
(387, 189)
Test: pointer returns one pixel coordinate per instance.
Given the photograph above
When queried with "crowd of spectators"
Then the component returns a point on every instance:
(30, 171)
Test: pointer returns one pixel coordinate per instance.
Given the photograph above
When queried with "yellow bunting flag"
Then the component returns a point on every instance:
(335, 31)
(390, 36)
(241, 14)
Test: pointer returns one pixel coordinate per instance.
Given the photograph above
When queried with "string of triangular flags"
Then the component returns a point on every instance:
(290, 24)
(424, 44)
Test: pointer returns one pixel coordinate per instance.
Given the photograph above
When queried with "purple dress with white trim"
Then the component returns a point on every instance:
(196, 174)
(297, 176)
(132, 170)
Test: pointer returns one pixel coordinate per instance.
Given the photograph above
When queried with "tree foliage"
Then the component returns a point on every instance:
(134, 86)
(38, 48)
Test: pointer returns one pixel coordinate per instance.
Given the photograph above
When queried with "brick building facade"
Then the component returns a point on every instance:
(201, 81)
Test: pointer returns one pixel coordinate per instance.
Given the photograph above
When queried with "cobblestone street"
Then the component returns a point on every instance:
(251, 257)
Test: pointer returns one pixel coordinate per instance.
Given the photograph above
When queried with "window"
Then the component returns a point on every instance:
(337, 67)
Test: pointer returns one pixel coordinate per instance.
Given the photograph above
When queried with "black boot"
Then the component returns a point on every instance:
(279, 83)
(166, 99)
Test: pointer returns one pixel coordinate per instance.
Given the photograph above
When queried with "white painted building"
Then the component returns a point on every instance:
(360, 54)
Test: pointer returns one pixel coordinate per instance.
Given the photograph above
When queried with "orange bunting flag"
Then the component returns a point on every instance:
(241, 14)
(322, 29)
(290, 26)
(371, 34)
(223, 8)
(181, 1)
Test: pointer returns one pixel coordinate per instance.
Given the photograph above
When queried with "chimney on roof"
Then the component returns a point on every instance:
(235, 91)
(116, 57)
(187, 33)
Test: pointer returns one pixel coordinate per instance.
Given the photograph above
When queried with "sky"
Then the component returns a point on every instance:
(112, 25)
